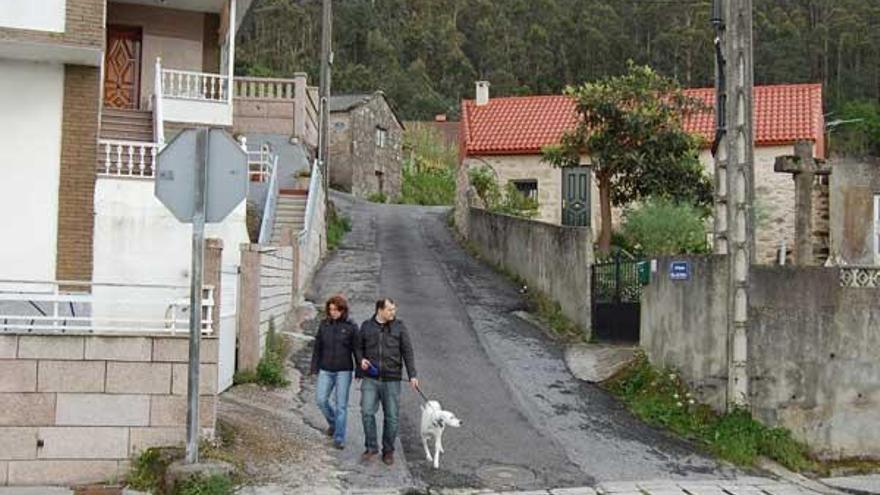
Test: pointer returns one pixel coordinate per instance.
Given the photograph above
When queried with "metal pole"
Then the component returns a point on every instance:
(326, 62)
(195, 298)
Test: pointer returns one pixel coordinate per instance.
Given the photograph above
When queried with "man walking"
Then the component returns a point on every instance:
(382, 349)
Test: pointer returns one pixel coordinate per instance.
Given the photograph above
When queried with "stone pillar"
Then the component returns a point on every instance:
(249, 308)
(300, 82)
(804, 169)
(212, 276)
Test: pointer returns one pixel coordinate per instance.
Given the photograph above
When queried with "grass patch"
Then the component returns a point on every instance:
(337, 226)
(218, 484)
(427, 187)
(270, 369)
(661, 398)
(147, 471)
(377, 197)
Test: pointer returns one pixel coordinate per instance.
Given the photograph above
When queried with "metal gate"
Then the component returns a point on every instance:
(616, 287)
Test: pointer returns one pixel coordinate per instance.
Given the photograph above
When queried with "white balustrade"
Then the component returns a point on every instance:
(264, 88)
(260, 163)
(194, 85)
(126, 158)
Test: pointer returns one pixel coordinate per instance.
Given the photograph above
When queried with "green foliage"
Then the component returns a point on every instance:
(508, 201)
(377, 197)
(337, 226)
(858, 132)
(429, 168)
(631, 126)
(217, 484)
(270, 369)
(147, 471)
(660, 227)
(662, 398)
(551, 312)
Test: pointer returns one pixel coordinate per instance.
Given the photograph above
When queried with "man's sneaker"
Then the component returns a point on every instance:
(388, 458)
(368, 455)
(339, 445)
(330, 431)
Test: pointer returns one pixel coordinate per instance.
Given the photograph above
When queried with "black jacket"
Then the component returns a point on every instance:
(386, 346)
(334, 346)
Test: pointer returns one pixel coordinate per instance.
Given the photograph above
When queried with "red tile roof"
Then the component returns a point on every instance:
(523, 125)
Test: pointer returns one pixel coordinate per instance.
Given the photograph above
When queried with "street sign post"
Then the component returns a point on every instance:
(201, 177)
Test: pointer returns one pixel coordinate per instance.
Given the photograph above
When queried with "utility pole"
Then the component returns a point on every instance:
(733, 149)
(323, 135)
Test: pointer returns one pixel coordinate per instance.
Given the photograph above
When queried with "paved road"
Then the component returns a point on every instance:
(529, 423)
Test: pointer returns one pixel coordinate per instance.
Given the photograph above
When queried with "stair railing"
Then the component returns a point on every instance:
(267, 224)
(158, 122)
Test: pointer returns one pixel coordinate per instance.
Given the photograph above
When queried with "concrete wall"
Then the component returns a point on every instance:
(812, 348)
(47, 15)
(94, 402)
(30, 156)
(683, 324)
(553, 259)
(853, 186)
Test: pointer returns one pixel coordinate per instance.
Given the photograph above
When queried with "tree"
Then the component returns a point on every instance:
(631, 128)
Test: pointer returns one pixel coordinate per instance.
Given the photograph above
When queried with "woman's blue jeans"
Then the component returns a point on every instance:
(334, 383)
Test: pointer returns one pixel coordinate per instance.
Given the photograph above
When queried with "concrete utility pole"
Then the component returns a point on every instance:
(326, 62)
(734, 177)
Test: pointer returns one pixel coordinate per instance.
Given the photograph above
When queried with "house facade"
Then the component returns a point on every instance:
(365, 147)
(507, 135)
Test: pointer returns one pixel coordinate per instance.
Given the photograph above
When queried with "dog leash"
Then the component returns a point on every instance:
(419, 390)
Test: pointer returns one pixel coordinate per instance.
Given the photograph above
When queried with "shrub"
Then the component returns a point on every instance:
(662, 227)
(509, 201)
(217, 484)
(337, 227)
(270, 369)
(377, 197)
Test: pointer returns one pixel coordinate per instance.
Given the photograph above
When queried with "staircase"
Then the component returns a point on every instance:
(290, 212)
(127, 125)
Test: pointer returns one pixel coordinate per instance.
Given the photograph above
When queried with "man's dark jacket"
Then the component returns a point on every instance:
(386, 346)
(334, 346)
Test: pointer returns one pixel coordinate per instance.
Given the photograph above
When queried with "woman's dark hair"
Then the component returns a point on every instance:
(340, 303)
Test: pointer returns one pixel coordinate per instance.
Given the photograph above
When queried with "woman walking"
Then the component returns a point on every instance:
(333, 361)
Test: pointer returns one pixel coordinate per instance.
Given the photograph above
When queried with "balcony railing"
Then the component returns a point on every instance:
(264, 88)
(126, 158)
(52, 306)
(194, 85)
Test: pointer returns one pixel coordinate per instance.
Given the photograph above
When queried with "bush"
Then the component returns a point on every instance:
(662, 227)
(429, 168)
(337, 227)
(509, 201)
(218, 484)
(430, 187)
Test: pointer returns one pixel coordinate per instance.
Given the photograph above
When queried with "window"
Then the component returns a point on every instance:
(528, 188)
(381, 137)
(877, 229)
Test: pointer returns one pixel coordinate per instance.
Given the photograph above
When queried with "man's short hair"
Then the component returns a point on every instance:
(381, 303)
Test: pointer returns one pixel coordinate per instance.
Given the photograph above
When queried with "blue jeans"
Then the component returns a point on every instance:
(338, 413)
(372, 393)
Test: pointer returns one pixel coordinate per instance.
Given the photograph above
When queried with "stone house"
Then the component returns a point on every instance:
(366, 139)
(507, 134)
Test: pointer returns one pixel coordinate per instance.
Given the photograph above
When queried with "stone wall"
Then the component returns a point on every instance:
(553, 259)
(853, 186)
(340, 149)
(76, 408)
(812, 347)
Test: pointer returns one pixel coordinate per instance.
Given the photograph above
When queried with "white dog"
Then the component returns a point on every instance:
(434, 421)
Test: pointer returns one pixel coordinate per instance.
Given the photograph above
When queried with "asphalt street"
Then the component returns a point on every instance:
(528, 423)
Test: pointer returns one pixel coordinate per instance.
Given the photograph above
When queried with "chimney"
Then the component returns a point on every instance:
(482, 93)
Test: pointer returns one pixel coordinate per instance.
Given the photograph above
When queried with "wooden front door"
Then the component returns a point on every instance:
(122, 68)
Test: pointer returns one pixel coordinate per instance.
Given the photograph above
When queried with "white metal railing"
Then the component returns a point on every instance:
(267, 224)
(70, 306)
(191, 85)
(264, 88)
(315, 183)
(260, 162)
(158, 117)
(126, 158)
(863, 277)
